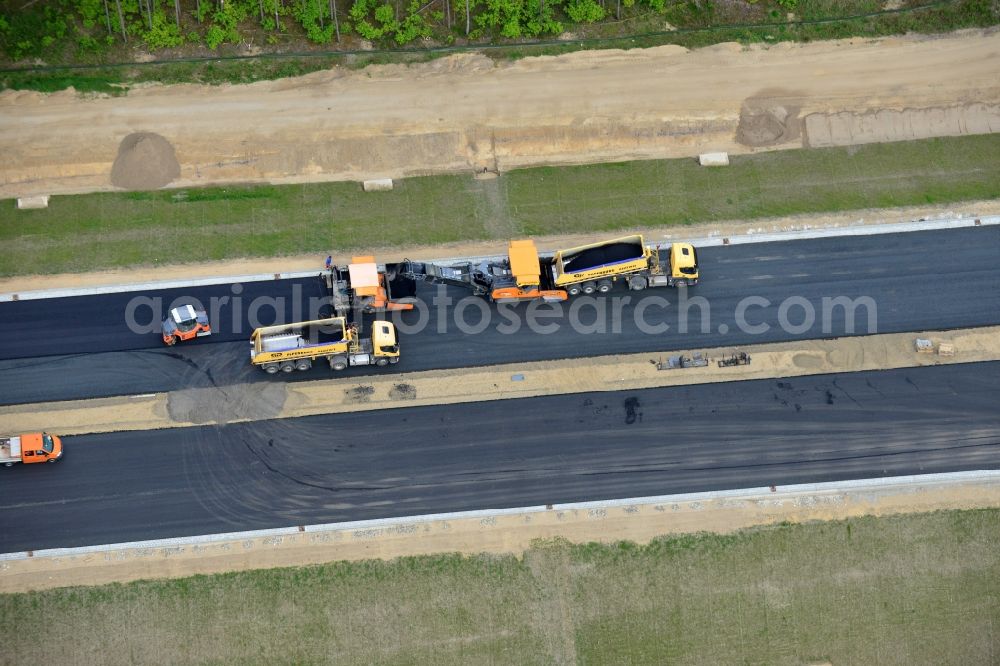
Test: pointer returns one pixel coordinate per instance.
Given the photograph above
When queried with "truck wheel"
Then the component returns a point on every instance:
(303, 364)
(381, 362)
(604, 286)
(394, 359)
(681, 283)
(589, 288)
(270, 368)
(573, 290)
(637, 283)
(171, 341)
(287, 366)
(338, 363)
(8, 464)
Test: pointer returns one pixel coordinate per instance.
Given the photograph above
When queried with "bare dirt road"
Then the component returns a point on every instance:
(466, 112)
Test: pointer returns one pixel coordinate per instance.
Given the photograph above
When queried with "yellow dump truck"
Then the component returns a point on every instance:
(595, 267)
(289, 347)
(527, 275)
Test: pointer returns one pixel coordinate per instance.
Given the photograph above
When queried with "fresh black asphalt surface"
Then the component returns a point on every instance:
(139, 485)
(72, 348)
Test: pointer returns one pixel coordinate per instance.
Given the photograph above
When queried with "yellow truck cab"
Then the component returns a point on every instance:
(33, 447)
(684, 263)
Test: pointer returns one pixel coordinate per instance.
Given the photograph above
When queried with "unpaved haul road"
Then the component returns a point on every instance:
(465, 112)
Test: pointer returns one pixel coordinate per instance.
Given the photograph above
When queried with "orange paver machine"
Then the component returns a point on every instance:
(366, 286)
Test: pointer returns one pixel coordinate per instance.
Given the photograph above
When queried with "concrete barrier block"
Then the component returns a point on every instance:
(378, 185)
(40, 201)
(713, 159)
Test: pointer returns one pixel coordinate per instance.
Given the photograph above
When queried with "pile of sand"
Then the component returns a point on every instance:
(146, 161)
(768, 120)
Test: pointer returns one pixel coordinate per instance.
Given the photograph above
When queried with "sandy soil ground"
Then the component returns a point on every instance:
(466, 112)
(314, 262)
(501, 534)
(268, 400)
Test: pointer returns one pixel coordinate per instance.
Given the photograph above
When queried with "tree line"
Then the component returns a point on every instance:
(37, 29)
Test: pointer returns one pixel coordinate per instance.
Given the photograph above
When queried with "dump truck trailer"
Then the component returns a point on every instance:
(289, 347)
(34, 447)
(527, 275)
(597, 266)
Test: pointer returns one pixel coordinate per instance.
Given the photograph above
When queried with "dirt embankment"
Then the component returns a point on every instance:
(466, 112)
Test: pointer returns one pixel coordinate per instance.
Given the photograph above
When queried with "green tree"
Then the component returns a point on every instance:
(513, 19)
(163, 34)
(372, 20)
(311, 14)
(584, 11)
(414, 26)
(225, 24)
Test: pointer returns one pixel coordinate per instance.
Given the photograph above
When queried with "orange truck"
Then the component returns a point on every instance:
(362, 285)
(34, 447)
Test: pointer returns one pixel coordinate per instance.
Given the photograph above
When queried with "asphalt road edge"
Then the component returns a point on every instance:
(717, 239)
(509, 530)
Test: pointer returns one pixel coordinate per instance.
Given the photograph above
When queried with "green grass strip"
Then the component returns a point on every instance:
(915, 589)
(113, 230)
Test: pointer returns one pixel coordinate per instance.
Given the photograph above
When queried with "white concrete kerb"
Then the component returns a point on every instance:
(707, 241)
(899, 483)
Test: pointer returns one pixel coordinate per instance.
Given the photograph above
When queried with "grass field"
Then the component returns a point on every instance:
(96, 231)
(918, 589)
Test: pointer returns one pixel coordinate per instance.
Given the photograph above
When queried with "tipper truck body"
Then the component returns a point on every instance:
(289, 347)
(595, 267)
(34, 447)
